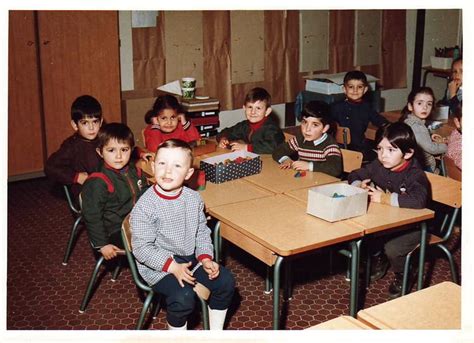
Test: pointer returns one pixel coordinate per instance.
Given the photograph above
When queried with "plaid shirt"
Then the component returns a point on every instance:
(166, 226)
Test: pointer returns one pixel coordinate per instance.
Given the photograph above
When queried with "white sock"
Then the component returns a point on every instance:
(216, 319)
(170, 327)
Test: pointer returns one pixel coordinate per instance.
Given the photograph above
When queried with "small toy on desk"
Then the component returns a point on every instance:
(336, 195)
(300, 174)
(201, 181)
(237, 160)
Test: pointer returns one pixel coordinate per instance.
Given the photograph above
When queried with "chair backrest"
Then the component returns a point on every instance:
(288, 136)
(451, 169)
(351, 160)
(445, 190)
(127, 243)
(343, 135)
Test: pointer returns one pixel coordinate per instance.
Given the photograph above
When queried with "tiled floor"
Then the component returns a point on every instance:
(44, 294)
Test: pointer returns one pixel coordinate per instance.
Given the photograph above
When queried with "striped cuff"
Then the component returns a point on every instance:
(187, 125)
(167, 264)
(204, 256)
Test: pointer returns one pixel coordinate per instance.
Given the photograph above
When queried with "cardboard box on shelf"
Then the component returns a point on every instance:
(443, 63)
(337, 201)
(231, 166)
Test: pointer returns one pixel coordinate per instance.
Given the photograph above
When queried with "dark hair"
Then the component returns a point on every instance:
(459, 59)
(411, 99)
(85, 106)
(458, 111)
(118, 131)
(177, 143)
(258, 94)
(356, 75)
(161, 103)
(318, 110)
(400, 135)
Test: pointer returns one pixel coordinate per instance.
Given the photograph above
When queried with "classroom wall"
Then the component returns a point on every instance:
(442, 28)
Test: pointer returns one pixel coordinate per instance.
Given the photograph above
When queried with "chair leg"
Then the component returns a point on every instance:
(205, 313)
(146, 305)
(451, 262)
(70, 243)
(116, 272)
(405, 274)
(268, 282)
(156, 308)
(90, 286)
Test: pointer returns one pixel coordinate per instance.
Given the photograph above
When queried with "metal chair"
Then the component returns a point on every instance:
(445, 191)
(151, 296)
(77, 212)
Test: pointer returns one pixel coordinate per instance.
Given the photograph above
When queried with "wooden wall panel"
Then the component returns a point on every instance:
(79, 53)
(314, 38)
(25, 146)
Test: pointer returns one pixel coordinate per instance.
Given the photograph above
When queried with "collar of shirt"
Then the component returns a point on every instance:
(167, 195)
(320, 139)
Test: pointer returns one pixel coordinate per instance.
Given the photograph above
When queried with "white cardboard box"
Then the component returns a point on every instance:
(323, 204)
(440, 113)
(441, 62)
(332, 83)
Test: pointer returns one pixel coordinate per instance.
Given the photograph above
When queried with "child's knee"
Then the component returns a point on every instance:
(183, 300)
(228, 281)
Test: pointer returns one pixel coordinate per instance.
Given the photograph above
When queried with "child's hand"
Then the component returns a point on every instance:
(365, 184)
(109, 251)
(211, 268)
(375, 193)
(300, 165)
(223, 143)
(182, 118)
(438, 139)
(82, 177)
(182, 273)
(286, 164)
(453, 87)
(236, 146)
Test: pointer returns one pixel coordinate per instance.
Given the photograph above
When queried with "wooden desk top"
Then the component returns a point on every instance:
(341, 323)
(435, 307)
(231, 192)
(281, 225)
(381, 217)
(279, 180)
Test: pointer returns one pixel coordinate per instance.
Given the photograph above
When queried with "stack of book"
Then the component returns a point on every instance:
(203, 114)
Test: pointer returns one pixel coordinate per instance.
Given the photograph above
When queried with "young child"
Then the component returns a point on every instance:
(166, 121)
(77, 157)
(395, 178)
(455, 139)
(171, 240)
(259, 132)
(313, 148)
(420, 104)
(453, 94)
(109, 195)
(355, 113)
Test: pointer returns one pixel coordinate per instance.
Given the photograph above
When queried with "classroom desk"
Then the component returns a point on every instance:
(263, 227)
(435, 307)
(381, 217)
(341, 323)
(278, 180)
(444, 73)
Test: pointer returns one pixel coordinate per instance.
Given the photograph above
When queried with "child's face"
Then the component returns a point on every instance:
(168, 120)
(456, 72)
(422, 105)
(256, 111)
(355, 90)
(312, 128)
(389, 156)
(116, 154)
(87, 127)
(172, 167)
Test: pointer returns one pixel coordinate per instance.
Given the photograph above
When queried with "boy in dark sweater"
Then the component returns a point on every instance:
(259, 132)
(109, 195)
(77, 157)
(313, 148)
(395, 178)
(355, 113)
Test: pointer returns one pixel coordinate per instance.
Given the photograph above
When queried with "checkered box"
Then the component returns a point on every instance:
(219, 173)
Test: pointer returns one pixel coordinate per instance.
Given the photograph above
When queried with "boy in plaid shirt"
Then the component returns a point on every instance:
(170, 238)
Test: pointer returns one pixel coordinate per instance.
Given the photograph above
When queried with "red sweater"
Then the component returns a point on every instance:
(154, 136)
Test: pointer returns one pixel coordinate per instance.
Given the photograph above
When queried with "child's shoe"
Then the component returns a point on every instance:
(395, 288)
(379, 267)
